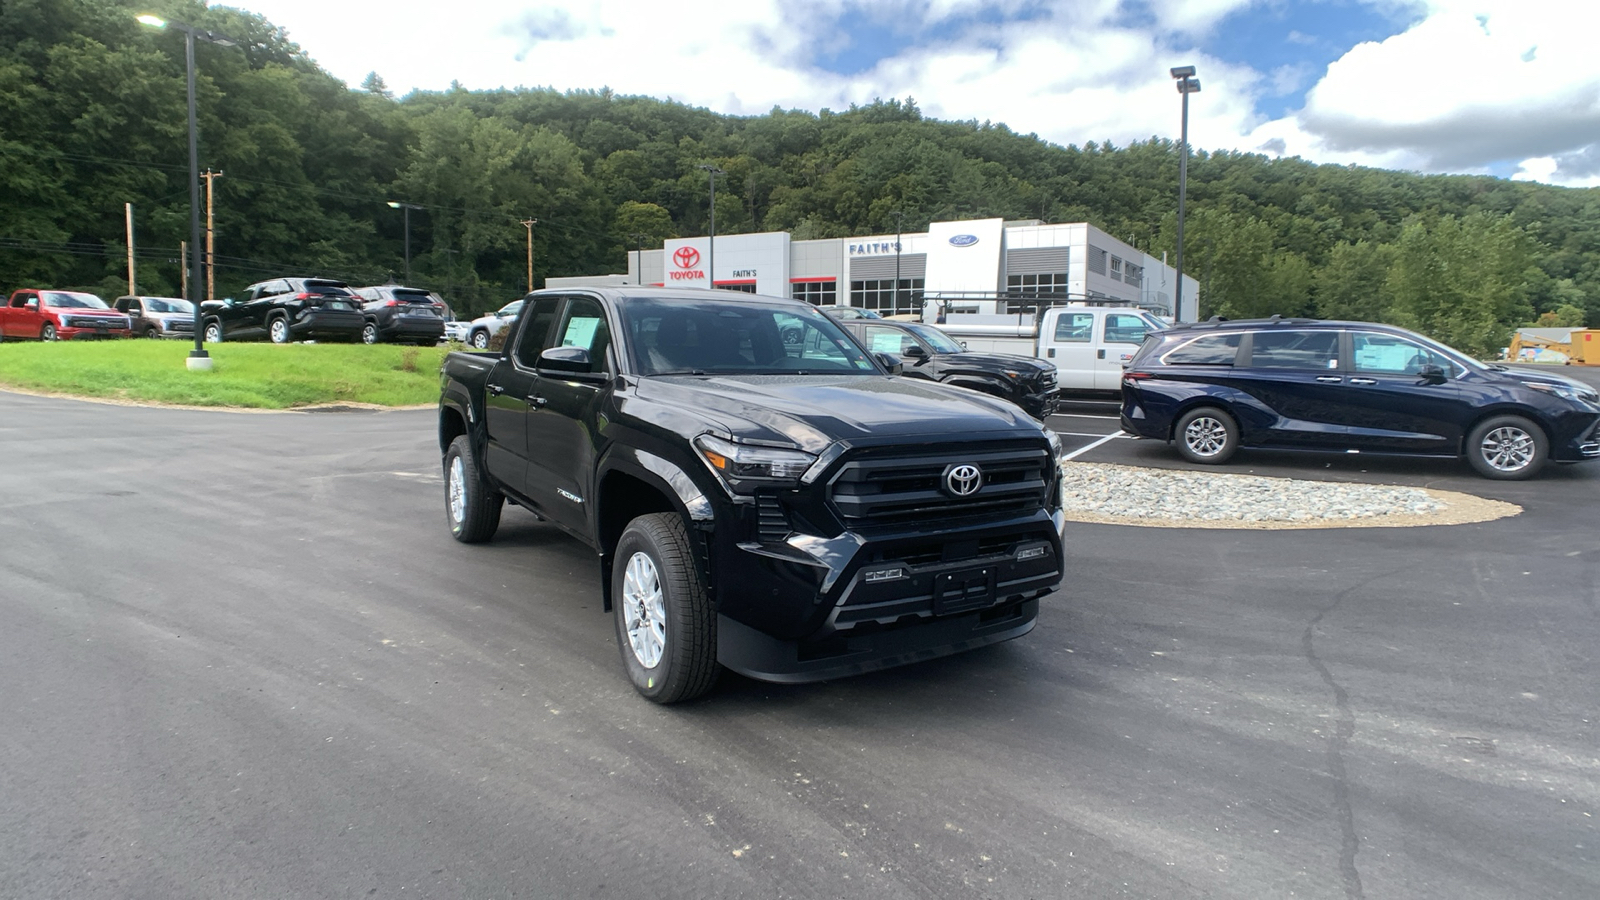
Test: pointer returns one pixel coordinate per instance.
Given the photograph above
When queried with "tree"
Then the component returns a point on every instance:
(374, 84)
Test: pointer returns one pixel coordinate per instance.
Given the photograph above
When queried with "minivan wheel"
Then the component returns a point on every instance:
(1207, 435)
(472, 506)
(279, 330)
(1507, 448)
(666, 629)
(480, 340)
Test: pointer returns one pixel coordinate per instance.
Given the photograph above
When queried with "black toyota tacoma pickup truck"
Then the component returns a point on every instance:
(762, 492)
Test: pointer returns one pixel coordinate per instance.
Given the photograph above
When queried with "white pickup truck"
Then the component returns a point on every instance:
(1088, 344)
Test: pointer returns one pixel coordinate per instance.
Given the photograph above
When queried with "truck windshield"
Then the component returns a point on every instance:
(725, 337)
(72, 300)
(166, 305)
(938, 340)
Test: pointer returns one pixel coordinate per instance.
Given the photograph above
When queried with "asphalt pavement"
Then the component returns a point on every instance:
(240, 656)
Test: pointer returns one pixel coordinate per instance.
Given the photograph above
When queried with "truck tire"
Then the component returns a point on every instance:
(1206, 435)
(666, 629)
(48, 332)
(472, 507)
(1507, 448)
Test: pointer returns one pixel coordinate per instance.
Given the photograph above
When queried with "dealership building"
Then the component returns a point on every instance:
(970, 266)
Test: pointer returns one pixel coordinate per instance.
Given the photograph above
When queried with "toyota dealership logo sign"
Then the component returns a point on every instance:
(687, 261)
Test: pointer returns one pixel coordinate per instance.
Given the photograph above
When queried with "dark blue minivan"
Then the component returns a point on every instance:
(1350, 387)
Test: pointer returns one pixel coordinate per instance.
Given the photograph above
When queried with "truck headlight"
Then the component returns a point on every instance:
(750, 466)
(1055, 444)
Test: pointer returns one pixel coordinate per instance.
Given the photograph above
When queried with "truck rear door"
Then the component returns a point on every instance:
(508, 398)
(1067, 337)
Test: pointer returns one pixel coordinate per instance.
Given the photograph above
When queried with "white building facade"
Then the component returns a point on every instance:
(979, 266)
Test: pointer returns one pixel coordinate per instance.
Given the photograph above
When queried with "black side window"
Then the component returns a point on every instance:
(1211, 350)
(1295, 350)
(585, 326)
(535, 334)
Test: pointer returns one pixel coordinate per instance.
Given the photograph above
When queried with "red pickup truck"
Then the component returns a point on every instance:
(60, 315)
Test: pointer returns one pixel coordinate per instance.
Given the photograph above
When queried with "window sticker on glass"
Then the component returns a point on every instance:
(886, 343)
(580, 333)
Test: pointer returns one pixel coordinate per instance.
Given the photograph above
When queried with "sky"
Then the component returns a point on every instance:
(1509, 88)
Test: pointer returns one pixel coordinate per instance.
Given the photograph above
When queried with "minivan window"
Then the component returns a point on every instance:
(1393, 355)
(1211, 350)
(1295, 350)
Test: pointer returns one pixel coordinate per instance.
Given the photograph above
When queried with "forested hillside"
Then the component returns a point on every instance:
(92, 116)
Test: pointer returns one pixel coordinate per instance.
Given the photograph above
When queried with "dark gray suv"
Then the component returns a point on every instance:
(401, 314)
(284, 310)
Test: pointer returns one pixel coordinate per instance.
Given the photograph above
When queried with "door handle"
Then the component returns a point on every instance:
(536, 400)
(1100, 354)
(1363, 381)
(495, 389)
(1331, 379)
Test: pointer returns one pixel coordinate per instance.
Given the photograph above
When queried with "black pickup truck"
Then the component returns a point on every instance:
(762, 492)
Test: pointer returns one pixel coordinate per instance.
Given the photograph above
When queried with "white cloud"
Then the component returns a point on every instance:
(1449, 94)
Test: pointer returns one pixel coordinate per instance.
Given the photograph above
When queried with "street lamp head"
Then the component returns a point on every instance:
(152, 21)
(707, 167)
(1183, 72)
(393, 205)
(1189, 86)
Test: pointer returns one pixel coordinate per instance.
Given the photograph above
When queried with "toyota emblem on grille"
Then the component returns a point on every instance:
(963, 480)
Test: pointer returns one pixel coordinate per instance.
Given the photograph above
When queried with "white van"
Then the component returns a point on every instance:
(1088, 344)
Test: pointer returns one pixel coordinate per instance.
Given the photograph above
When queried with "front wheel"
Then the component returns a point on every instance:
(480, 340)
(213, 333)
(666, 629)
(471, 504)
(48, 332)
(1207, 435)
(152, 332)
(369, 333)
(1507, 448)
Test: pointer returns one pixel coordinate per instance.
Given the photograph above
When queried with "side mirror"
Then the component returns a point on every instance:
(891, 362)
(1431, 374)
(566, 360)
(963, 345)
(915, 350)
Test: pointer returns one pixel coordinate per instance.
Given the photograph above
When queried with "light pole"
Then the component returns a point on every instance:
(1187, 84)
(638, 257)
(198, 357)
(408, 207)
(899, 219)
(711, 264)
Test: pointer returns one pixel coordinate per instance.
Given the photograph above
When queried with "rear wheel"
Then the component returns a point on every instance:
(1507, 448)
(472, 506)
(278, 330)
(1207, 435)
(666, 629)
(213, 333)
(369, 333)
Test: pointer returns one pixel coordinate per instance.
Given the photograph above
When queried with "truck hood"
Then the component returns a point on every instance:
(813, 411)
(979, 359)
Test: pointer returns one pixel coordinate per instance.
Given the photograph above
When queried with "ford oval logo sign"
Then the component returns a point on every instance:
(964, 240)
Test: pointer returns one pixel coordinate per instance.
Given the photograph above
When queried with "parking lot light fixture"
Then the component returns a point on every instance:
(408, 207)
(711, 262)
(1187, 84)
(198, 357)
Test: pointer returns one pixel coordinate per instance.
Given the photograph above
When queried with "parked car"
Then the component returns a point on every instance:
(1351, 387)
(158, 317)
(401, 314)
(785, 509)
(1088, 345)
(481, 329)
(284, 310)
(926, 352)
(59, 316)
(846, 313)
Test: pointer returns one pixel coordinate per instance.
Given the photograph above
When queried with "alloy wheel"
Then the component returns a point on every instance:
(1507, 448)
(644, 610)
(458, 491)
(1206, 436)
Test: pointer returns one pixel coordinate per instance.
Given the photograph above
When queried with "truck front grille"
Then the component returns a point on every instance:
(873, 490)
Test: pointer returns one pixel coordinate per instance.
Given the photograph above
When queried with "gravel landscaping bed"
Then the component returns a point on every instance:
(1179, 499)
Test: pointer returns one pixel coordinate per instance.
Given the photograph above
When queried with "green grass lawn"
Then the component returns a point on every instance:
(258, 376)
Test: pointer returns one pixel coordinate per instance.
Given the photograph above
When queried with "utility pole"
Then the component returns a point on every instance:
(528, 224)
(133, 281)
(211, 237)
(183, 251)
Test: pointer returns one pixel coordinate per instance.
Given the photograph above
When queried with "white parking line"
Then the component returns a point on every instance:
(1082, 450)
(1083, 416)
(1082, 433)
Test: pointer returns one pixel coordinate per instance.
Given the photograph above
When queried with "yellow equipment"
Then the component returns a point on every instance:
(1581, 348)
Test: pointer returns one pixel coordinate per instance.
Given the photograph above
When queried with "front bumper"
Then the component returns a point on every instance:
(91, 334)
(1041, 405)
(809, 608)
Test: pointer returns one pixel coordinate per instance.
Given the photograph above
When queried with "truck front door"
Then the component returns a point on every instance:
(1120, 336)
(563, 426)
(22, 318)
(1067, 338)
(508, 392)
